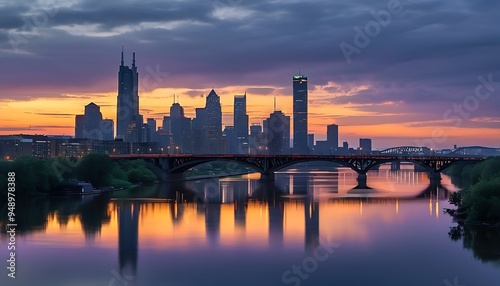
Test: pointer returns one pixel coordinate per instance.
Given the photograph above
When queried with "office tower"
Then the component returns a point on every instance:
(257, 140)
(277, 130)
(199, 141)
(181, 129)
(91, 121)
(108, 129)
(79, 125)
(176, 111)
(212, 124)
(365, 145)
(127, 117)
(300, 114)
(151, 136)
(310, 141)
(231, 139)
(332, 137)
(240, 120)
(213, 115)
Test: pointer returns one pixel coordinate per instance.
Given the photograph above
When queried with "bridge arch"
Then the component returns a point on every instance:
(200, 161)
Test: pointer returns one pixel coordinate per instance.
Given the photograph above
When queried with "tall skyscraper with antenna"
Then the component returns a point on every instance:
(128, 120)
(300, 113)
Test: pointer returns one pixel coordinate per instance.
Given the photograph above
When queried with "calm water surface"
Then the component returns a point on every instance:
(309, 227)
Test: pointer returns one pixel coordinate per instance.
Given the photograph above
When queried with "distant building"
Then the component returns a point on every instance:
(277, 132)
(212, 125)
(365, 145)
(108, 129)
(240, 121)
(231, 137)
(332, 137)
(151, 123)
(310, 141)
(128, 121)
(300, 113)
(79, 125)
(181, 129)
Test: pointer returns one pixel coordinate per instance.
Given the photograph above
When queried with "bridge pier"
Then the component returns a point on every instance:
(361, 181)
(267, 177)
(435, 179)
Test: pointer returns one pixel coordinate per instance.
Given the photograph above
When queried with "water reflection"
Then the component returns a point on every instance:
(288, 215)
(484, 242)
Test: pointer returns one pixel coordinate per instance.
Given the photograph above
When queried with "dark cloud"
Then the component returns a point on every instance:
(429, 56)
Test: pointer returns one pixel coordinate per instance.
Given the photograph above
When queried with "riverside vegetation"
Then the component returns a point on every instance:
(36, 176)
(479, 199)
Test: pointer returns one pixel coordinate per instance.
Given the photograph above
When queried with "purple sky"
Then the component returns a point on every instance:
(426, 58)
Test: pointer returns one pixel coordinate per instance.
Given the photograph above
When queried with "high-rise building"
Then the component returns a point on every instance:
(108, 129)
(277, 130)
(300, 114)
(240, 120)
(79, 125)
(92, 119)
(127, 117)
(332, 137)
(213, 115)
(151, 136)
(365, 145)
(181, 129)
(212, 124)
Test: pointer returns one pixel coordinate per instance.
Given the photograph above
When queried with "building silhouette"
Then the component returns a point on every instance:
(332, 137)
(240, 123)
(181, 130)
(300, 103)
(92, 119)
(129, 123)
(365, 145)
(79, 125)
(277, 130)
(107, 129)
(212, 125)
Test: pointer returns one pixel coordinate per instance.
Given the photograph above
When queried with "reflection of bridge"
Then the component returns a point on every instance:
(175, 165)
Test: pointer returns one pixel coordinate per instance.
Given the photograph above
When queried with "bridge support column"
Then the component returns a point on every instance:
(435, 178)
(361, 181)
(267, 177)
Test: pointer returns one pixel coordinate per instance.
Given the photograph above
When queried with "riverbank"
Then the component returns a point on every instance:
(478, 203)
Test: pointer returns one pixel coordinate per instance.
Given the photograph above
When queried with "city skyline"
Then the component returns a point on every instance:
(422, 88)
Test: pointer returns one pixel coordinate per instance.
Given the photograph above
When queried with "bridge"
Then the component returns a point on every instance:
(175, 165)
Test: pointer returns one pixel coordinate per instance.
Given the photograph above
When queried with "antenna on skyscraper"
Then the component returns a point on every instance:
(122, 54)
(174, 98)
(133, 59)
(275, 103)
(299, 70)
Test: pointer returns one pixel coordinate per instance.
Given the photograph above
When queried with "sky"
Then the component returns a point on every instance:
(409, 72)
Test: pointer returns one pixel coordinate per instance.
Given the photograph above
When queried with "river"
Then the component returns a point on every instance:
(308, 227)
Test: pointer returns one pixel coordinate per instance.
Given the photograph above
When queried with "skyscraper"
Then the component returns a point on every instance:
(240, 120)
(277, 130)
(91, 121)
(213, 116)
(79, 125)
(108, 129)
(127, 117)
(300, 114)
(365, 145)
(332, 137)
(181, 129)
